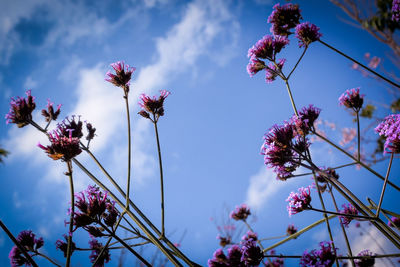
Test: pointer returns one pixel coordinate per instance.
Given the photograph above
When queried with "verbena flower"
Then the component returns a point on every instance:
(219, 259)
(252, 254)
(249, 236)
(352, 99)
(284, 18)
(349, 210)
(325, 257)
(254, 66)
(304, 122)
(235, 256)
(62, 147)
(153, 105)
(122, 76)
(21, 110)
(307, 33)
(50, 114)
(272, 71)
(394, 221)
(64, 128)
(396, 10)
(63, 245)
(27, 239)
(291, 229)
(224, 241)
(299, 201)
(91, 131)
(96, 248)
(390, 129)
(365, 262)
(268, 47)
(240, 213)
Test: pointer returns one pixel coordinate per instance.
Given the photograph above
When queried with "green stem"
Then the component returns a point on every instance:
(342, 214)
(335, 168)
(358, 137)
(129, 149)
(291, 96)
(298, 61)
(360, 64)
(384, 185)
(47, 258)
(339, 257)
(71, 220)
(161, 177)
(271, 238)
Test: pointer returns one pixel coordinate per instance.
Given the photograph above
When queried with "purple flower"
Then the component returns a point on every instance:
(63, 246)
(365, 262)
(349, 210)
(299, 201)
(91, 131)
(249, 236)
(21, 110)
(28, 240)
(50, 114)
(284, 18)
(122, 76)
(153, 105)
(394, 221)
(325, 257)
(268, 47)
(307, 33)
(71, 126)
(352, 99)
(304, 122)
(291, 229)
(17, 258)
(240, 213)
(390, 129)
(254, 66)
(273, 70)
(235, 256)
(251, 254)
(396, 10)
(62, 147)
(96, 248)
(219, 259)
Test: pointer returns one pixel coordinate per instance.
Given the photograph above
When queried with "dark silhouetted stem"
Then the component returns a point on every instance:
(384, 185)
(298, 61)
(161, 177)
(71, 220)
(47, 258)
(358, 137)
(128, 185)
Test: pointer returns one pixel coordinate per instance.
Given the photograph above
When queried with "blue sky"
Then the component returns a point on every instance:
(215, 116)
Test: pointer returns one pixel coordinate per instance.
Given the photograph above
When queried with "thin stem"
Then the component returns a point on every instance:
(334, 168)
(271, 238)
(20, 247)
(161, 177)
(384, 212)
(358, 137)
(132, 245)
(129, 149)
(47, 258)
(353, 158)
(249, 227)
(360, 64)
(297, 63)
(291, 97)
(338, 257)
(342, 214)
(384, 185)
(71, 219)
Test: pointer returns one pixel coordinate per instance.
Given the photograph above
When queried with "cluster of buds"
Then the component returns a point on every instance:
(63, 245)
(247, 254)
(240, 213)
(299, 201)
(352, 99)
(50, 114)
(390, 129)
(122, 76)
(62, 147)
(291, 229)
(347, 210)
(21, 110)
(153, 106)
(323, 257)
(28, 241)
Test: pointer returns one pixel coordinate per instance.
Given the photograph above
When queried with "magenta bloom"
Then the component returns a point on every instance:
(50, 114)
(352, 99)
(254, 66)
(28, 240)
(291, 229)
(240, 213)
(252, 254)
(224, 241)
(324, 257)
(249, 236)
(365, 262)
(219, 259)
(284, 18)
(396, 10)
(390, 129)
(96, 248)
(272, 71)
(349, 210)
(235, 256)
(153, 105)
(304, 122)
(21, 110)
(394, 221)
(122, 76)
(63, 246)
(299, 201)
(268, 47)
(62, 147)
(307, 33)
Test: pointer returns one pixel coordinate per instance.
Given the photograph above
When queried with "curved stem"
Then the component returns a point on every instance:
(129, 150)
(360, 64)
(298, 61)
(48, 258)
(378, 210)
(161, 177)
(71, 220)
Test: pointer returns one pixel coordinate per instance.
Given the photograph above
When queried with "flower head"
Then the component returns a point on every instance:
(396, 10)
(272, 71)
(63, 246)
(365, 262)
(50, 114)
(224, 241)
(348, 210)
(17, 258)
(323, 257)
(153, 105)
(299, 201)
(219, 259)
(21, 110)
(240, 213)
(304, 122)
(28, 240)
(62, 147)
(390, 129)
(394, 221)
(235, 256)
(249, 236)
(307, 33)
(71, 126)
(122, 76)
(91, 131)
(284, 18)
(254, 66)
(252, 254)
(268, 47)
(352, 99)
(96, 248)
(291, 229)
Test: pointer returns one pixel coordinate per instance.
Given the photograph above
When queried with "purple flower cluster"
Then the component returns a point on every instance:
(352, 99)
(94, 208)
(284, 18)
(396, 10)
(304, 123)
(273, 70)
(50, 114)
(153, 105)
(96, 248)
(63, 246)
(62, 147)
(122, 76)
(394, 221)
(291, 229)
(307, 33)
(348, 210)
(21, 110)
(299, 201)
(240, 213)
(365, 262)
(325, 257)
(390, 129)
(249, 236)
(26, 239)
